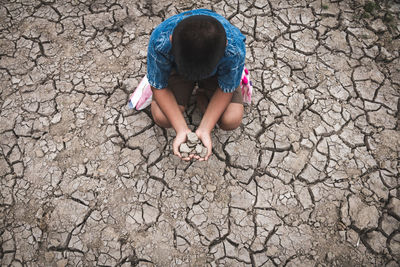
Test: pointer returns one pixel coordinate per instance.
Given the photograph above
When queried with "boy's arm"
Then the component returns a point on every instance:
(168, 105)
(218, 103)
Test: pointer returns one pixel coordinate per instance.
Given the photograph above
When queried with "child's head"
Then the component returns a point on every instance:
(198, 43)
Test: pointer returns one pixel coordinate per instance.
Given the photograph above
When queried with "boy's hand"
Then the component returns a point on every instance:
(179, 139)
(218, 104)
(205, 138)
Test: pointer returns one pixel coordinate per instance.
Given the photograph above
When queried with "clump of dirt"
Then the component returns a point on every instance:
(387, 143)
(192, 146)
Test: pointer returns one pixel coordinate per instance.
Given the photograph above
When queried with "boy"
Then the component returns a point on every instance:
(196, 46)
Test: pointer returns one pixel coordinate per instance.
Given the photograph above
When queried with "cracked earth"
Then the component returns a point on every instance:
(311, 178)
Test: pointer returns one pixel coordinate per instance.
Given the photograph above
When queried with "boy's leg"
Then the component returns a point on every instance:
(182, 90)
(159, 117)
(233, 114)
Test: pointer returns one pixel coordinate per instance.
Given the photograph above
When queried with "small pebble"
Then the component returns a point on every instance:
(184, 148)
(192, 146)
(199, 149)
(330, 256)
(192, 138)
(39, 153)
(211, 187)
(56, 118)
(204, 152)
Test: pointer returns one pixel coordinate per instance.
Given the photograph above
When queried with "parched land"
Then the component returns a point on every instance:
(311, 178)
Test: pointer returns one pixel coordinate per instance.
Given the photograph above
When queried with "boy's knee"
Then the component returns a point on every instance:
(158, 116)
(231, 119)
(230, 124)
(162, 121)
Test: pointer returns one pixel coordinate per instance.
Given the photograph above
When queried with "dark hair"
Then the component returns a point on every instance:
(198, 44)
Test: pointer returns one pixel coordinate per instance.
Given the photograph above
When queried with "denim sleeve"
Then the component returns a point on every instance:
(158, 65)
(230, 71)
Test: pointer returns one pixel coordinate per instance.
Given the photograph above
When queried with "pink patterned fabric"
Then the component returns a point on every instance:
(142, 96)
(247, 86)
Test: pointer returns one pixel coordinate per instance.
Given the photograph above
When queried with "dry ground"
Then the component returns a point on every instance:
(311, 178)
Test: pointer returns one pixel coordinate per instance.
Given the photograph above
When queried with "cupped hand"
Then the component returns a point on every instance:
(205, 138)
(179, 139)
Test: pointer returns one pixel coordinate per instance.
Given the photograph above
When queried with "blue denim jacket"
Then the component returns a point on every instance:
(160, 60)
